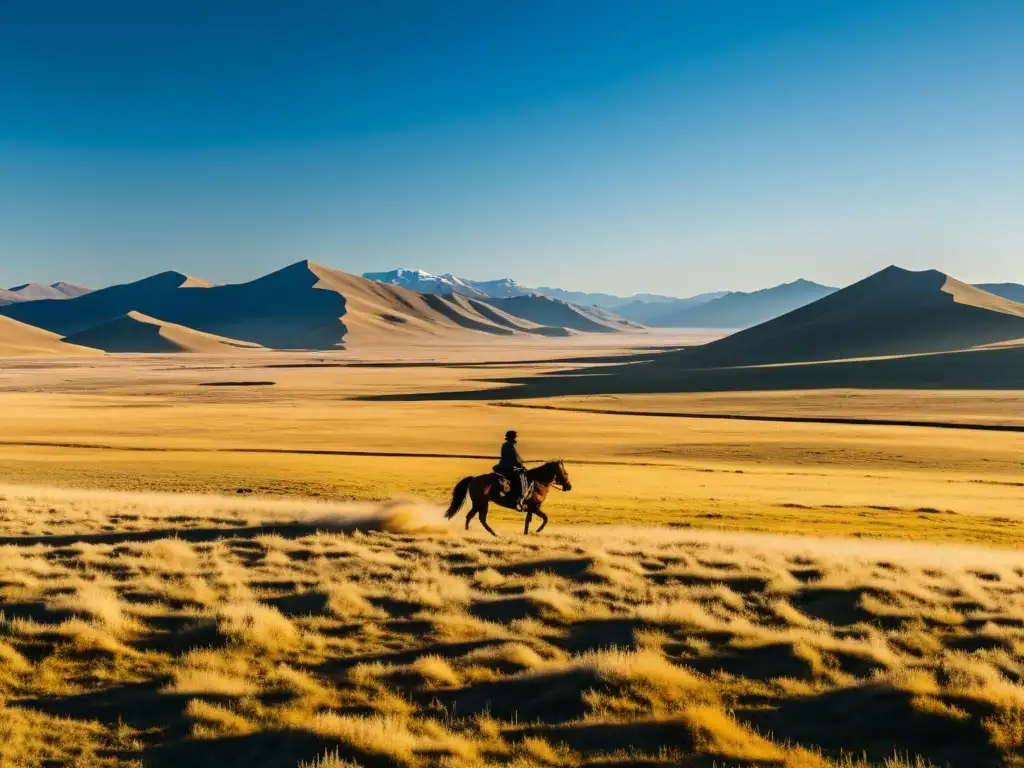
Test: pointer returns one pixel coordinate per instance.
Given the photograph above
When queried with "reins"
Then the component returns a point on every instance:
(552, 468)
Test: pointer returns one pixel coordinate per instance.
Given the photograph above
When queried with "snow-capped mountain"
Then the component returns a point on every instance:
(425, 282)
(506, 288)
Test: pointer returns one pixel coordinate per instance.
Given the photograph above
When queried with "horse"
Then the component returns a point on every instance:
(482, 490)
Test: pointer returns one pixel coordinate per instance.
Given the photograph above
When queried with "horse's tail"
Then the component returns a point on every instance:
(458, 497)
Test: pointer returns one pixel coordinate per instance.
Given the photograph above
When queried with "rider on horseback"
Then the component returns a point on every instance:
(511, 466)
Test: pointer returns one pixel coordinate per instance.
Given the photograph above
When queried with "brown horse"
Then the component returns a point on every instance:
(484, 489)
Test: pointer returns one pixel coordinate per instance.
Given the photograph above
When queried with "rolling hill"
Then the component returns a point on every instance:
(504, 319)
(18, 339)
(893, 312)
(605, 300)
(303, 306)
(742, 310)
(544, 310)
(644, 311)
(136, 332)
(896, 329)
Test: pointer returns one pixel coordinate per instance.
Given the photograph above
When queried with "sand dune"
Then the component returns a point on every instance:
(18, 339)
(136, 332)
(374, 312)
(154, 295)
(303, 306)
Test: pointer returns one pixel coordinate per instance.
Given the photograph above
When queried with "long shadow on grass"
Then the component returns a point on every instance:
(445, 650)
(140, 705)
(268, 749)
(554, 698)
(196, 535)
(673, 372)
(162, 715)
(591, 739)
(878, 721)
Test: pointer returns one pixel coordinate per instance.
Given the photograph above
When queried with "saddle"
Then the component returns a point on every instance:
(518, 482)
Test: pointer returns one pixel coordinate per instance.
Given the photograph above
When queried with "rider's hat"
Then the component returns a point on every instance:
(511, 435)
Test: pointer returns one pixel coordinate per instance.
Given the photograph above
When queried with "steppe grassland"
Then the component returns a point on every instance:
(169, 629)
(148, 423)
(262, 627)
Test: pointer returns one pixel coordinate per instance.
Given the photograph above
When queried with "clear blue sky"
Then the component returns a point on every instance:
(665, 146)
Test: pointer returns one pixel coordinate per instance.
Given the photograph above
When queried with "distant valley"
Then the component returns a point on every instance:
(896, 329)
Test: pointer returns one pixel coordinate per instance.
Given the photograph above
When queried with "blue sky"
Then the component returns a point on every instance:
(627, 146)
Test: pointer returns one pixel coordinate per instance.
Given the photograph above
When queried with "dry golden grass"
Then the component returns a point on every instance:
(661, 620)
(154, 629)
(147, 423)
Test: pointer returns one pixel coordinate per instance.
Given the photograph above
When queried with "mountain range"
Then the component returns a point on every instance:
(310, 306)
(719, 309)
(505, 288)
(737, 309)
(894, 329)
(38, 291)
(303, 306)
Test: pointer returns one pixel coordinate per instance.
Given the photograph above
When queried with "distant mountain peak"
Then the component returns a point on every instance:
(440, 285)
(41, 291)
(742, 309)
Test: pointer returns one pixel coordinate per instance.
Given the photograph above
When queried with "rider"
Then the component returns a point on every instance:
(511, 465)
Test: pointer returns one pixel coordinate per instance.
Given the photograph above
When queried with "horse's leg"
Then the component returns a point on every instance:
(543, 519)
(483, 520)
(529, 517)
(476, 502)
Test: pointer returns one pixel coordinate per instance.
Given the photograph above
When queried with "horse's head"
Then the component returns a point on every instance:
(562, 475)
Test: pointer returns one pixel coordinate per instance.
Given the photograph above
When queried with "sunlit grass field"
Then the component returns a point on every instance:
(150, 629)
(261, 575)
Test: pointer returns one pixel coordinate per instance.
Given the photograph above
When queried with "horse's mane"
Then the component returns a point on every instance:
(548, 465)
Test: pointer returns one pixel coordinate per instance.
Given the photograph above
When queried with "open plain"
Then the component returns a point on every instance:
(227, 560)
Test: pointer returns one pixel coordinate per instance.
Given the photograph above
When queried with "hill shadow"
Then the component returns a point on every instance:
(980, 369)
